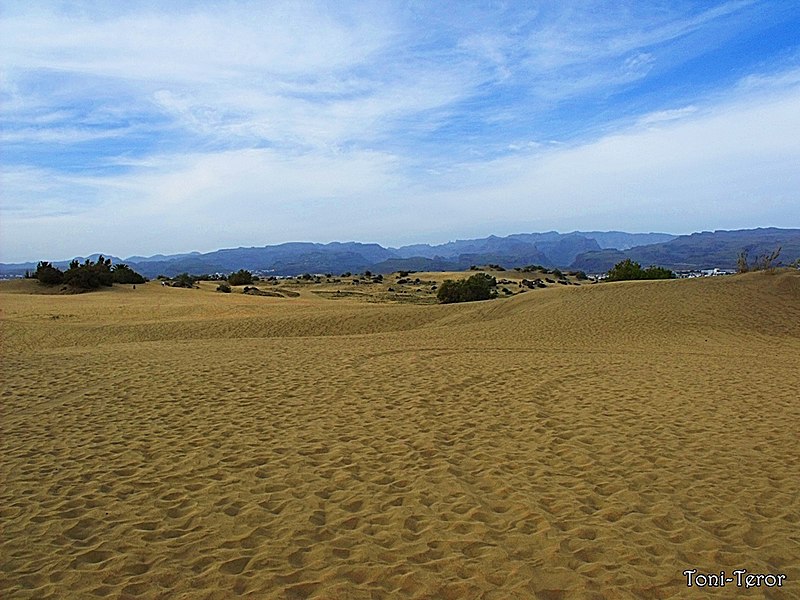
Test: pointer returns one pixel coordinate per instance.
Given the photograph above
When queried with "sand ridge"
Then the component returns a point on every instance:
(586, 442)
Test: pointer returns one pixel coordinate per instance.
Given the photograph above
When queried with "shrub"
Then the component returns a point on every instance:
(224, 288)
(184, 280)
(762, 262)
(477, 287)
(89, 275)
(48, 274)
(628, 270)
(654, 272)
(533, 268)
(241, 277)
(122, 273)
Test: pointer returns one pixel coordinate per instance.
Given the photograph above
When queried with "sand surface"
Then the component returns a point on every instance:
(575, 442)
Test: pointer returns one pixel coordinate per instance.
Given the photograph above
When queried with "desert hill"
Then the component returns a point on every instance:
(591, 441)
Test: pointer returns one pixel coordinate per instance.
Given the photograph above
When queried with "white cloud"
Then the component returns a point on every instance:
(729, 165)
(595, 47)
(667, 115)
(62, 135)
(226, 42)
(733, 165)
(227, 198)
(282, 73)
(255, 123)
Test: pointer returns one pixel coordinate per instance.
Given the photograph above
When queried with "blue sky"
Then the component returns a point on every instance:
(130, 128)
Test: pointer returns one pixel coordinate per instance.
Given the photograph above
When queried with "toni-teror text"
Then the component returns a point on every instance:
(737, 578)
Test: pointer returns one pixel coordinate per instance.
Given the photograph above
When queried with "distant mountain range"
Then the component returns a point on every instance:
(704, 250)
(590, 251)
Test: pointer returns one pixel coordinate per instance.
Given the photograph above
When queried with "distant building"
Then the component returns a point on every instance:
(715, 272)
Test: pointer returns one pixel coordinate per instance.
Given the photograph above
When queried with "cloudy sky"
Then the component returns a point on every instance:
(131, 128)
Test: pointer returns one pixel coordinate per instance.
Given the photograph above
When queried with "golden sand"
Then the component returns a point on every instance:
(578, 442)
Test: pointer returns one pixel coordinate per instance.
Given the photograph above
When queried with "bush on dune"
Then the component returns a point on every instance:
(87, 276)
(241, 277)
(48, 274)
(184, 280)
(122, 273)
(628, 270)
(477, 287)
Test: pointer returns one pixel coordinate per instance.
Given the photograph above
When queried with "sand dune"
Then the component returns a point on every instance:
(579, 442)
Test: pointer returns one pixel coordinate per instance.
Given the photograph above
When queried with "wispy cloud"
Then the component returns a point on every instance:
(731, 164)
(385, 120)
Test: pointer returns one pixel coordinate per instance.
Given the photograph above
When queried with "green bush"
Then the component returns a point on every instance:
(477, 287)
(533, 268)
(241, 277)
(122, 273)
(89, 275)
(628, 270)
(224, 288)
(654, 272)
(86, 276)
(48, 274)
(184, 280)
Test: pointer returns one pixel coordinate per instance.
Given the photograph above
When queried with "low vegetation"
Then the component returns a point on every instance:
(477, 287)
(763, 262)
(241, 277)
(184, 280)
(628, 270)
(88, 275)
